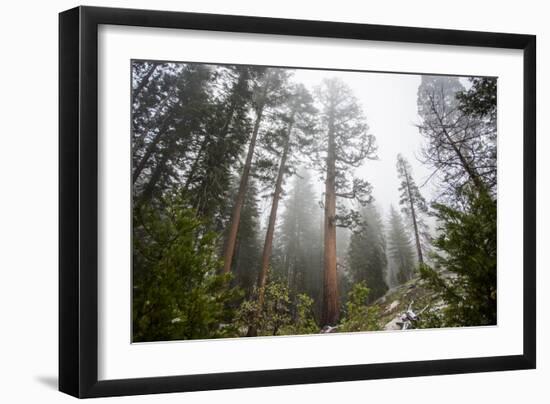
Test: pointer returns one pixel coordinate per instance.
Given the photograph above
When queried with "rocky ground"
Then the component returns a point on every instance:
(396, 301)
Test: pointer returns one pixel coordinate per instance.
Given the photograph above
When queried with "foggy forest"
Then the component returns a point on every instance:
(276, 201)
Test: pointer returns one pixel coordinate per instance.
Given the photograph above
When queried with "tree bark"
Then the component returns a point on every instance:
(413, 215)
(268, 244)
(239, 202)
(330, 313)
(266, 256)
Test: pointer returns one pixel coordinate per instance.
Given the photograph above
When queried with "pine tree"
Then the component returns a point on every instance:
(467, 248)
(153, 90)
(480, 103)
(176, 291)
(156, 164)
(298, 255)
(400, 250)
(367, 253)
(227, 131)
(467, 241)
(413, 204)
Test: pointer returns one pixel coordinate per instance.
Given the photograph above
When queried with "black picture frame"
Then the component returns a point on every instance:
(78, 201)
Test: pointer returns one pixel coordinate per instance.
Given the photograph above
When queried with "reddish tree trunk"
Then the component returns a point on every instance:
(239, 202)
(268, 244)
(266, 256)
(330, 313)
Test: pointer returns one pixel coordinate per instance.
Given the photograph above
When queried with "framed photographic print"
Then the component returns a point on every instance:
(251, 201)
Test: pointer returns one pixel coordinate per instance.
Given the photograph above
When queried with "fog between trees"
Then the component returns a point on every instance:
(277, 201)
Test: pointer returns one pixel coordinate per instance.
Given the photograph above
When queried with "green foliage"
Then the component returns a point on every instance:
(177, 293)
(367, 253)
(275, 312)
(303, 323)
(276, 317)
(400, 250)
(431, 318)
(481, 98)
(468, 246)
(159, 153)
(358, 315)
(228, 128)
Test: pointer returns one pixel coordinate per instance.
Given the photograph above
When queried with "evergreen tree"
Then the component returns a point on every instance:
(463, 123)
(153, 90)
(299, 241)
(400, 250)
(227, 131)
(413, 204)
(343, 145)
(176, 291)
(480, 103)
(367, 253)
(481, 98)
(468, 249)
(270, 89)
(296, 120)
(157, 164)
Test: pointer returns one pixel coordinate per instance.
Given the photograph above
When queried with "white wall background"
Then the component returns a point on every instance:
(28, 201)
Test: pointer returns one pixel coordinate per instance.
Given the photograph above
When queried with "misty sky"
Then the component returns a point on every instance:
(389, 103)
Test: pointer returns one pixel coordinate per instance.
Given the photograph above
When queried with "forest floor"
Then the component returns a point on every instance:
(396, 301)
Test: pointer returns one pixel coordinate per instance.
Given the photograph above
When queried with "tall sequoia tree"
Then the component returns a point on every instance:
(297, 123)
(400, 249)
(269, 90)
(367, 253)
(413, 204)
(344, 144)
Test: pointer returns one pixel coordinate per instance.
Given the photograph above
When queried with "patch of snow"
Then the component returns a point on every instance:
(392, 325)
(391, 307)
